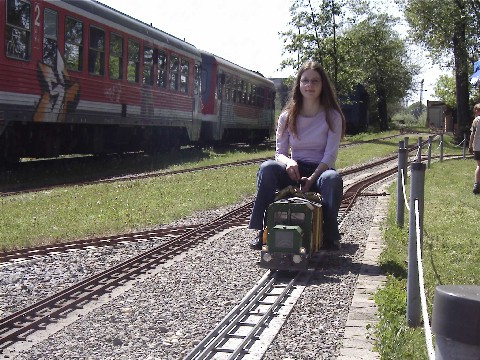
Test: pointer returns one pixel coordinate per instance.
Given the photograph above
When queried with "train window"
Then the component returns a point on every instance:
(253, 96)
(297, 218)
(260, 97)
(280, 217)
(73, 44)
(115, 61)
(50, 37)
(218, 87)
(248, 89)
(184, 71)
(173, 72)
(133, 64)
(148, 66)
(198, 80)
(234, 89)
(18, 30)
(239, 91)
(228, 89)
(96, 51)
(162, 69)
(245, 92)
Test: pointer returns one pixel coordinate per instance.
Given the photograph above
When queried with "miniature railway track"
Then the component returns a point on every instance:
(32, 252)
(144, 175)
(350, 195)
(15, 327)
(235, 334)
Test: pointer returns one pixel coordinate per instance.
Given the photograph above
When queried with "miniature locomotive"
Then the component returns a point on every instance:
(293, 232)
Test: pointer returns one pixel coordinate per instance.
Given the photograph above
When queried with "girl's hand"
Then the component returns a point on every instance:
(306, 184)
(292, 170)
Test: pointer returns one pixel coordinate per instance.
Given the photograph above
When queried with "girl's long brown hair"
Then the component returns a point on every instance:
(328, 99)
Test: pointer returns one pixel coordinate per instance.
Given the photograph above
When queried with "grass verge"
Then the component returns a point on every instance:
(451, 254)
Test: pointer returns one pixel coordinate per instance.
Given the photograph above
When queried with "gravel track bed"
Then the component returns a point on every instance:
(166, 313)
(24, 283)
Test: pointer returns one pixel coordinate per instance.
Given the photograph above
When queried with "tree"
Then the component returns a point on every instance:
(351, 50)
(313, 33)
(382, 57)
(448, 29)
(445, 90)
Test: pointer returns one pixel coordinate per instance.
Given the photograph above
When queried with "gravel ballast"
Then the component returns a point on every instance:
(165, 313)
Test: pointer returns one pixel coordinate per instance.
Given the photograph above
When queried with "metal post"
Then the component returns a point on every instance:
(417, 182)
(429, 156)
(405, 140)
(456, 322)
(419, 150)
(464, 144)
(402, 168)
(441, 147)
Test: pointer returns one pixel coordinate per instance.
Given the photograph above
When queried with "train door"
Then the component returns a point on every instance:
(209, 95)
(197, 91)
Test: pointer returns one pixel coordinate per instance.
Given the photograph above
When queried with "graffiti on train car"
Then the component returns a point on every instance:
(60, 93)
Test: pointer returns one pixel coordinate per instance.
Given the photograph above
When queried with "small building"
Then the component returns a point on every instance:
(439, 116)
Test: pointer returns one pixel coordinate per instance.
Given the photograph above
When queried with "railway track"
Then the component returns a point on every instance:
(45, 250)
(235, 335)
(238, 334)
(14, 327)
(18, 325)
(144, 175)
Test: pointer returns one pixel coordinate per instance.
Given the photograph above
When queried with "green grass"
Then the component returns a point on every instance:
(74, 212)
(113, 208)
(451, 253)
(451, 245)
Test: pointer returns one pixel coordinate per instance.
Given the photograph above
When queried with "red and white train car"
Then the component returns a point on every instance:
(80, 77)
(239, 104)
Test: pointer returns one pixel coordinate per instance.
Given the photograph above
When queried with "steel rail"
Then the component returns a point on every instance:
(45, 311)
(38, 315)
(235, 320)
(33, 252)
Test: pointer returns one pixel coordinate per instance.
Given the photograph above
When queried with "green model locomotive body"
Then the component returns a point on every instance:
(293, 232)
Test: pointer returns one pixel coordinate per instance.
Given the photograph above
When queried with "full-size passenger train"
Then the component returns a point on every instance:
(81, 77)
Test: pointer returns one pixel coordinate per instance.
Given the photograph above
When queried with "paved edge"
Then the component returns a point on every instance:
(357, 343)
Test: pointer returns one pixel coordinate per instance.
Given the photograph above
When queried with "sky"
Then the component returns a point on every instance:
(245, 32)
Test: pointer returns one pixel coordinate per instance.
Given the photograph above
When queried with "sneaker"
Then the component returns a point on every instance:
(476, 188)
(256, 243)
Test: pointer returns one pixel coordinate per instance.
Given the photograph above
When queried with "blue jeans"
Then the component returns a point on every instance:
(272, 176)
